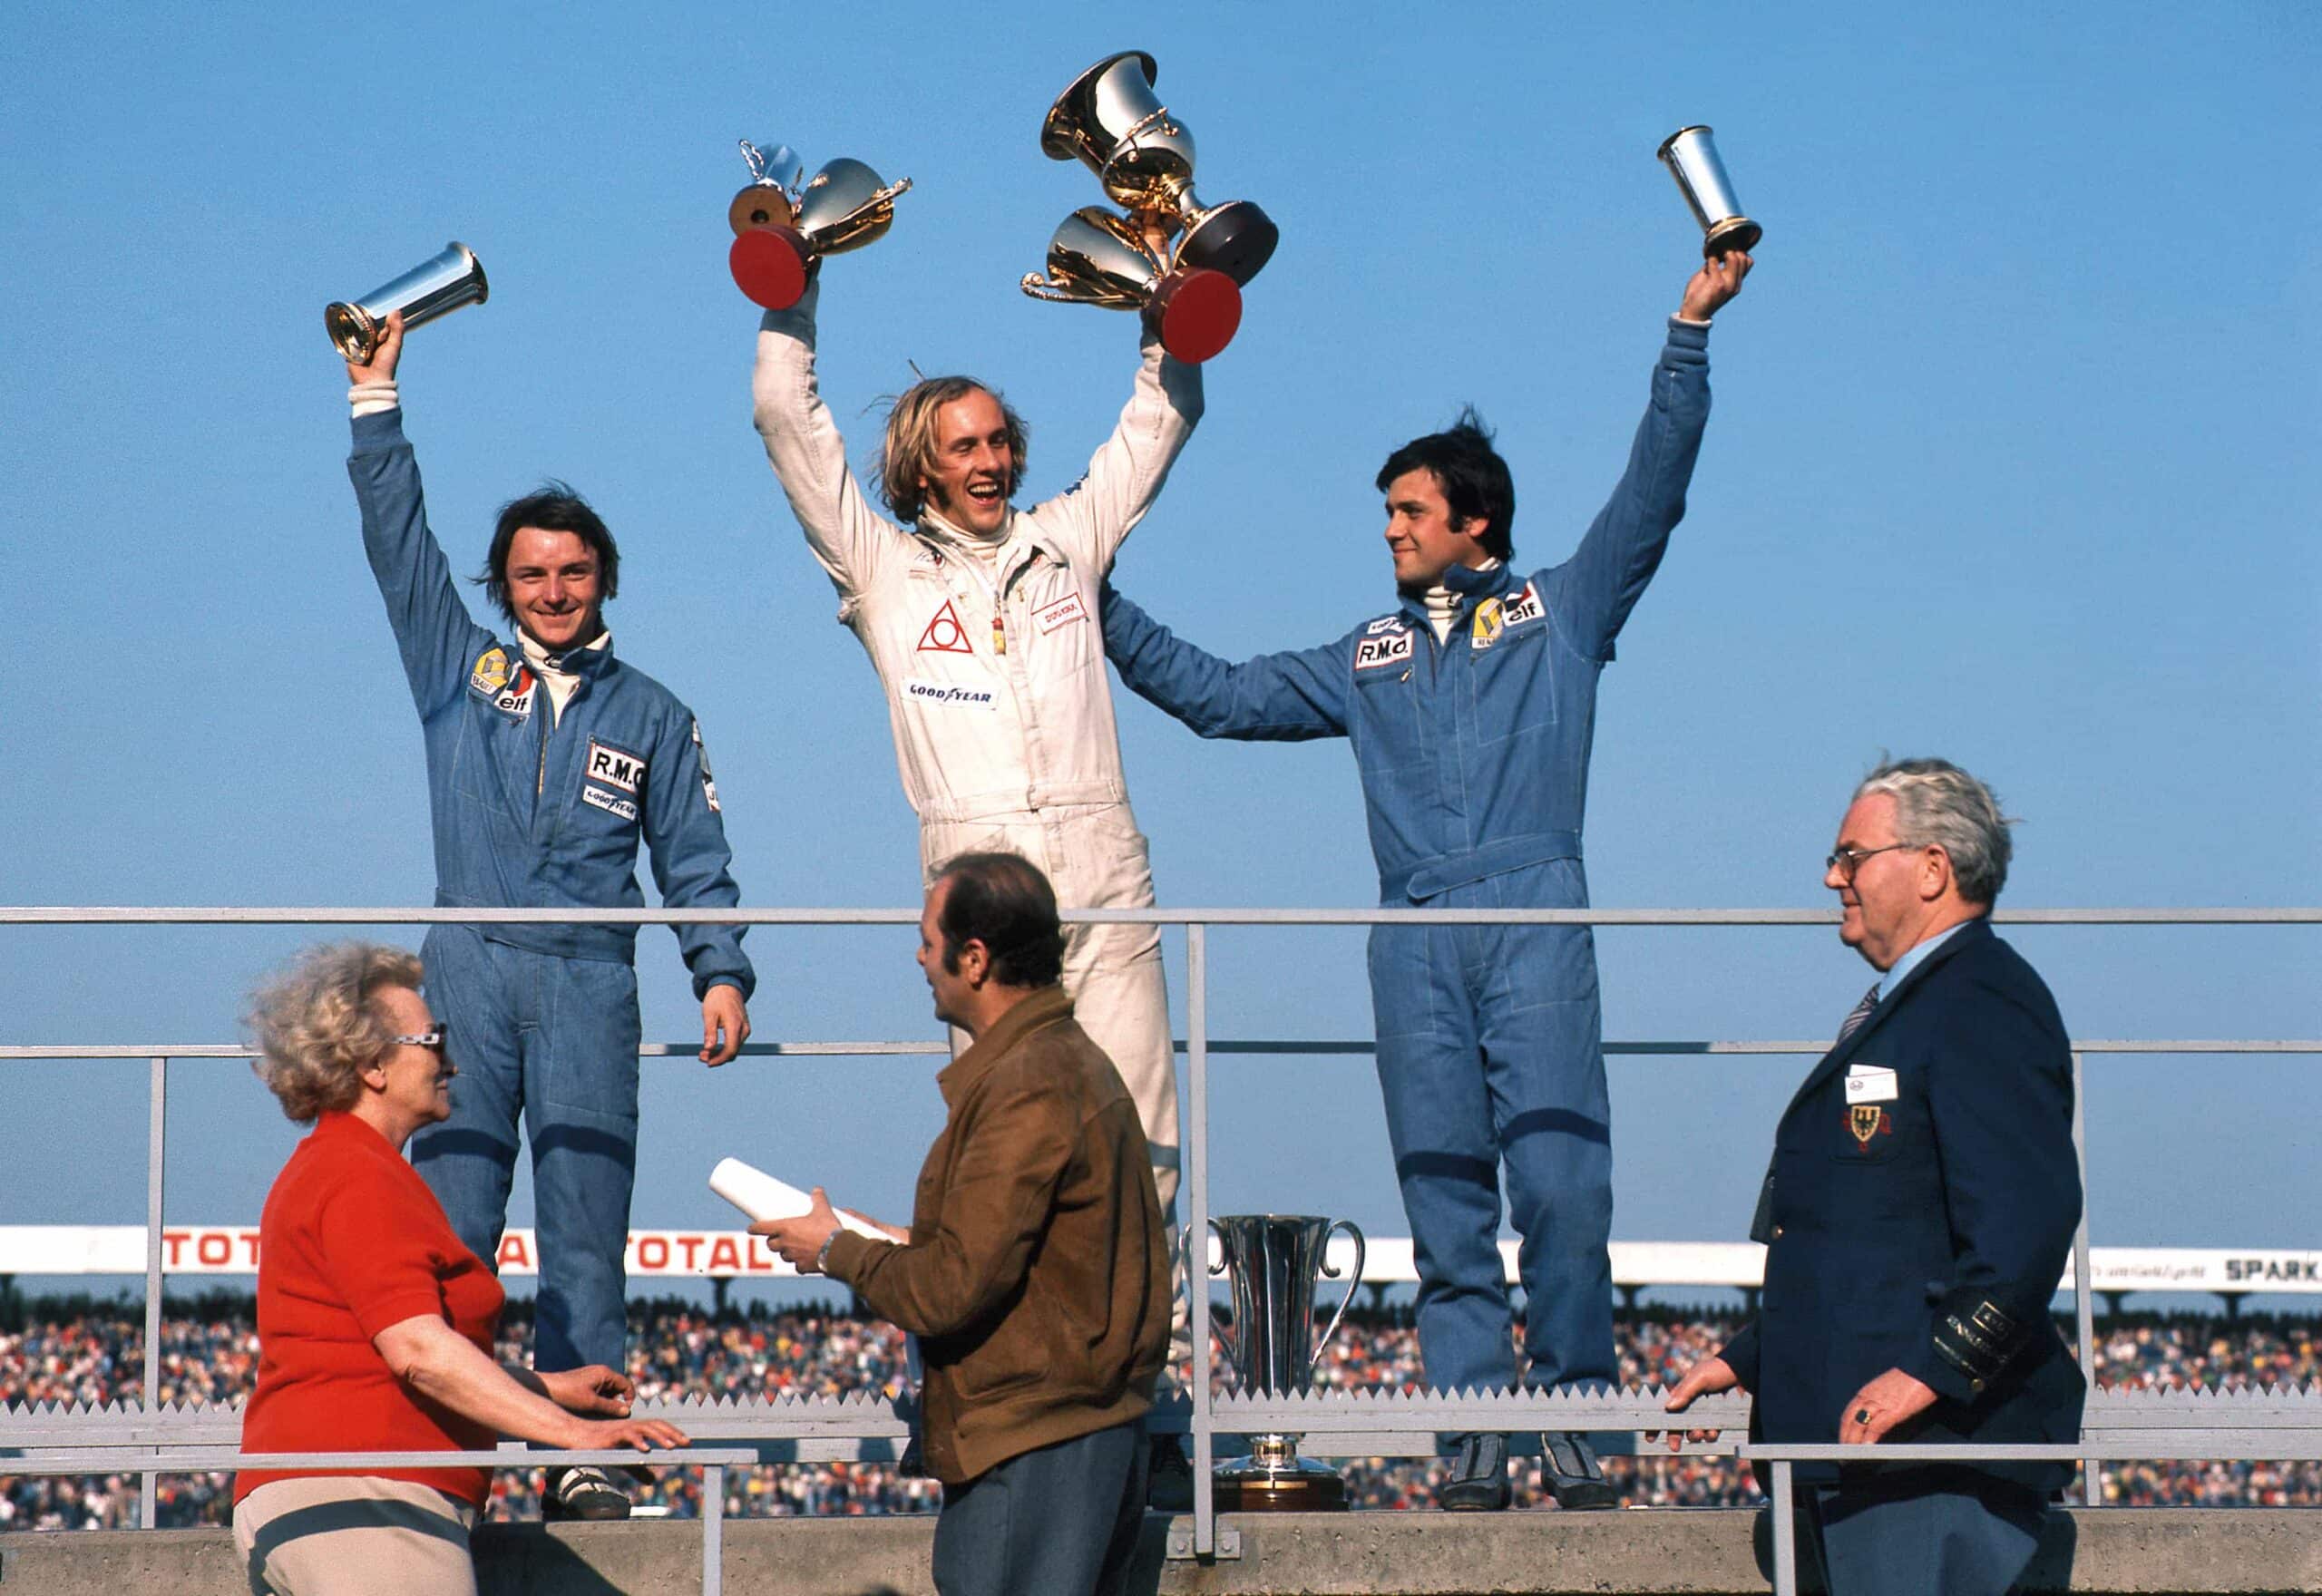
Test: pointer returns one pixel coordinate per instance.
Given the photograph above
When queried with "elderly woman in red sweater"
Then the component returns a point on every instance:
(375, 1325)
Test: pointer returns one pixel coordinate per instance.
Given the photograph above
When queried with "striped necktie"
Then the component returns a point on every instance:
(1860, 1013)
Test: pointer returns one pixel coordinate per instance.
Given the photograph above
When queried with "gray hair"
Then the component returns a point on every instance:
(318, 1029)
(1939, 806)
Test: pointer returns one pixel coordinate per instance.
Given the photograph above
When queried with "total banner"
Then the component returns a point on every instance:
(706, 1254)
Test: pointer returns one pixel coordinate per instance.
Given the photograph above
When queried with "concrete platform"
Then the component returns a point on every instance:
(1701, 1552)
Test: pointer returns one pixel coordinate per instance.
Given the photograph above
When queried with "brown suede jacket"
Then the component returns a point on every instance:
(1037, 1277)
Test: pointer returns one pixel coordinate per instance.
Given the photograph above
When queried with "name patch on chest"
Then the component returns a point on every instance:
(938, 694)
(1867, 1082)
(608, 803)
(609, 765)
(1379, 653)
(1064, 612)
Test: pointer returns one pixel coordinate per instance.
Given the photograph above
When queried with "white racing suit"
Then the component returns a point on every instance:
(995, 680)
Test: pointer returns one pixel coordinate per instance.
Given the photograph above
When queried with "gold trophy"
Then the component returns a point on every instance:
(1097, 257)
(436, 286)
(1111, 121)
(783, 229)
(1691, 158)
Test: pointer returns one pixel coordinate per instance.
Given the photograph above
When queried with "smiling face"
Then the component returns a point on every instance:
(1887, 893)
(554, 586)
(974, 466)
(1421, 534)
(413, 1082)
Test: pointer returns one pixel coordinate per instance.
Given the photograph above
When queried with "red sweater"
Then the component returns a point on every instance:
(351, 1241)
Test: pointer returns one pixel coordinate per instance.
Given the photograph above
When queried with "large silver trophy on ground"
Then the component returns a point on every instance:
(1111, 122)
(437, 287)
(782, 229)
(1273, 1263)
(1691, 158)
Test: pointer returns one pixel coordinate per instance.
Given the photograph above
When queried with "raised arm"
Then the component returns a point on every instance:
(1125, 474)
(438, 639)
(848, 538)
(1276, 697)
(1595, 590)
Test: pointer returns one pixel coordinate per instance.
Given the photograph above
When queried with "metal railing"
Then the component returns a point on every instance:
(1383, 1423)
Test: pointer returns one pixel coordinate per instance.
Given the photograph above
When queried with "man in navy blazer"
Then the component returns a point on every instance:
(1918, 1213)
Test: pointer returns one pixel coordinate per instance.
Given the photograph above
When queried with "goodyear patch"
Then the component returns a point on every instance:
(948, 694)
(491, 672)
(608, 803)
(1379, 653)
(1385, 624)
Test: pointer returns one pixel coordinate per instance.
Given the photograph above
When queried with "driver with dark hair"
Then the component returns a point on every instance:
(1471, 708)
(549, 760)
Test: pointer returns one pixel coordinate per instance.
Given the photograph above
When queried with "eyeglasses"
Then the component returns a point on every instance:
(434, 1039)
(1846, 861)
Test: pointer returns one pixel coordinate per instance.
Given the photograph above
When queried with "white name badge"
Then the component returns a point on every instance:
(1866, 1083)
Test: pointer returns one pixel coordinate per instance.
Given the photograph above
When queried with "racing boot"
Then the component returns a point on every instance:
(1568, 1463)
(582, 1492)
(1479, 1481)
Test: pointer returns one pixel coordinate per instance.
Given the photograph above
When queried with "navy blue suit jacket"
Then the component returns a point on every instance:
(1920, 1219)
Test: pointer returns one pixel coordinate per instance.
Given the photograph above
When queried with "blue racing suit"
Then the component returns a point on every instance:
(535, 811)
(1474, 760)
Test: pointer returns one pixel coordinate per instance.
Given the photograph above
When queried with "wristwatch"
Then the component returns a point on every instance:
(823, 1256)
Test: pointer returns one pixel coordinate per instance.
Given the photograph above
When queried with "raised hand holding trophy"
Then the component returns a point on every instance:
(436, 286)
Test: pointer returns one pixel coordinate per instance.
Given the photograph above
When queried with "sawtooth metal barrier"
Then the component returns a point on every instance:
(2283, 1424)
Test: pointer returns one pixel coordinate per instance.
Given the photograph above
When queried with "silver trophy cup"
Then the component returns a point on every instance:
(1110, 120)
(1273, 1263)
(783, 227)
(432, 289)
(1096, 257)
(1691, 158)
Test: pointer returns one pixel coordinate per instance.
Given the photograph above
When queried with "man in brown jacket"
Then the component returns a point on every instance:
(1036, 1271)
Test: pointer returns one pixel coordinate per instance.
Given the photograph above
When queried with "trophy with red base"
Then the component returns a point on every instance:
(782, 229)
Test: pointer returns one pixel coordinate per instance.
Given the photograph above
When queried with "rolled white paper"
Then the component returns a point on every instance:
(763, 1196)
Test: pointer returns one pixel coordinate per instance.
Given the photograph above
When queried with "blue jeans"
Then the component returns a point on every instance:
(555, 1040)
(1491, 1052)
(1062, 1521)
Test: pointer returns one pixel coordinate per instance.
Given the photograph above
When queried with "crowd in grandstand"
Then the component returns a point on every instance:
(93, 1352)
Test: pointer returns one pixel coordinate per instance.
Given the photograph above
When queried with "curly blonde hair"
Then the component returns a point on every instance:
(317, 1028)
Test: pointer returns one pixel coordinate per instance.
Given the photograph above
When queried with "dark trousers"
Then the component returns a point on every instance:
(1957, 1538)
(1061, 1521)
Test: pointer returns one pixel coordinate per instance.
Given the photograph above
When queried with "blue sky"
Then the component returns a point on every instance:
(2014, 459)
